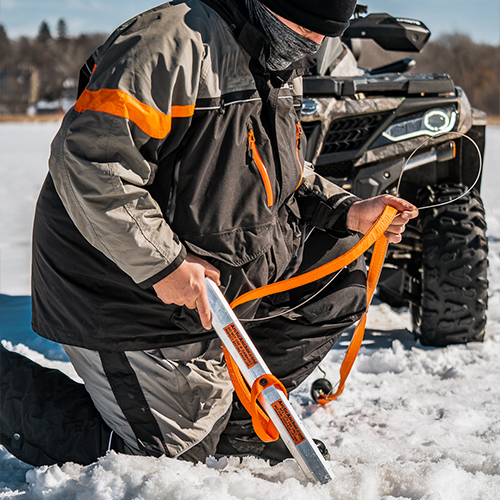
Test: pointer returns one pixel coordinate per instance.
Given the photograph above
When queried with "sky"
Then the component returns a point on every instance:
(480, 19)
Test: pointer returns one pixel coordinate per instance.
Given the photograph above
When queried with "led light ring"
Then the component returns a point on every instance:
(428, 131)
(437, 112)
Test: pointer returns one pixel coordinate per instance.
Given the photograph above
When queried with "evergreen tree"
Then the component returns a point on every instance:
(5, 48)
(3, 35)
(4, 42)
(62, 29)
(44, 32)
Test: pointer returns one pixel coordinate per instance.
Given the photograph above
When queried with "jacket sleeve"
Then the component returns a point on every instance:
(323, 204)
(140, 100)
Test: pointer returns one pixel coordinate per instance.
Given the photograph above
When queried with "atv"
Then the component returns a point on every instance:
(364, 127)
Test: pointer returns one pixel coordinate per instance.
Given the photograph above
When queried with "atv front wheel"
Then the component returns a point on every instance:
(453, 268)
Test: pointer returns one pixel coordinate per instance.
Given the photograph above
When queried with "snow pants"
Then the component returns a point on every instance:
(178, 400)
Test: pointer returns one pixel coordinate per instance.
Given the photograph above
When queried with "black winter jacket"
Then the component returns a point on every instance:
(181, 141)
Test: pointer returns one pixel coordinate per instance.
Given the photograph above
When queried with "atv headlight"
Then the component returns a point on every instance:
(433, 122)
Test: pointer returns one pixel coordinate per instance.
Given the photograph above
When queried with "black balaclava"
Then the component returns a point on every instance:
(326, 17)
(286, 46)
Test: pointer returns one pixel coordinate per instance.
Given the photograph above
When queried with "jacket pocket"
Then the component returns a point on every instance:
(255, 156)
(236, 247)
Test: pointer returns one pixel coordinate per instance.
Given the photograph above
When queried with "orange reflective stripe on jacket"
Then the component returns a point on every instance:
(118, 103)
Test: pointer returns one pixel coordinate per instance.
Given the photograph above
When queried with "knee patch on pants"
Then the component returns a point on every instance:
(160, 401)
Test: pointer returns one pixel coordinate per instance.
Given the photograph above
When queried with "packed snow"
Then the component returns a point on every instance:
(413, 422)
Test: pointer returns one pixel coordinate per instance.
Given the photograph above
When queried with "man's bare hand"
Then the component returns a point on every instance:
(186, 287)
(363, 214)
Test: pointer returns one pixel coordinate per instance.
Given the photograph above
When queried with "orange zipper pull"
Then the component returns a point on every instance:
(299, 131)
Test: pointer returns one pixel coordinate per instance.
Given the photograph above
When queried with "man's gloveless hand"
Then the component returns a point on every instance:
(186, 287)
(363, 214)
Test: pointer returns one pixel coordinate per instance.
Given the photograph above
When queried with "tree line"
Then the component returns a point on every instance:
(41, 68)
(46, 67)
(472, 66)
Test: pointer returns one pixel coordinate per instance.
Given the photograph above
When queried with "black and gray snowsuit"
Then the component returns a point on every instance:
(180, 142)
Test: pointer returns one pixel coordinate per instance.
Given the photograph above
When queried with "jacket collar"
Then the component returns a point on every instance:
(235, 13)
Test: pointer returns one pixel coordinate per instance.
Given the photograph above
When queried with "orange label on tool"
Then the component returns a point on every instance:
(240, 344)
(288, 421)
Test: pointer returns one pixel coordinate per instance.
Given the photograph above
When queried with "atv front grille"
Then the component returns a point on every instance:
(350, 133)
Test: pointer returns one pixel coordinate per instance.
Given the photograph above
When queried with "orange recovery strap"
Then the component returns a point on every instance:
(262, 424)
(273, 416)
(376, 263)
(375, 236)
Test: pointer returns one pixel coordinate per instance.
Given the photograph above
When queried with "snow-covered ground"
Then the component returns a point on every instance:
(413, 423)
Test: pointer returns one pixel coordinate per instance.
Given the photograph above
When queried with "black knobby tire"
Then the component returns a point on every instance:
(454, 268)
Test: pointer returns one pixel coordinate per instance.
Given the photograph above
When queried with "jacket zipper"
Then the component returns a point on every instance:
(298, 127)
(262, 168)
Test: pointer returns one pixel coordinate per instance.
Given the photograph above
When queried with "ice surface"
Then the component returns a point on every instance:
(413, 423)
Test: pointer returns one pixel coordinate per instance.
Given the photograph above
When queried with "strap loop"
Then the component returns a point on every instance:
(262, 424)
(376, 263)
